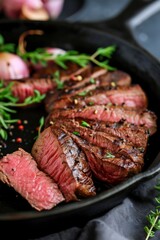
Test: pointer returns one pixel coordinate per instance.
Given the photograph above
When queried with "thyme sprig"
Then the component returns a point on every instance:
(8, 103)
(100, 57)
(153, 217)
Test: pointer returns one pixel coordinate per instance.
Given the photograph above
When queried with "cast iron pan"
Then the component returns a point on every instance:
(15, 212)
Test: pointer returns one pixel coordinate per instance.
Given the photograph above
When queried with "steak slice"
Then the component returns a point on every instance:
(108, 167)
(109, 114)
(65, 74)
(98, 79)
(132, 96)
(104, 78)
(97, 72)
(58, 155)
(19, 170)
(130, 133)
(105, 140)
(26, 87)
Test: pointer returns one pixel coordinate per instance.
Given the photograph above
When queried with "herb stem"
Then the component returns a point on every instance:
(151, 228)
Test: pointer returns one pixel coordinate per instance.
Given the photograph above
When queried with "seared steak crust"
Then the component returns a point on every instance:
(99, 79)
(59, 156)
(132, 96)
(110, 114)
(109, 167)
(130, 134)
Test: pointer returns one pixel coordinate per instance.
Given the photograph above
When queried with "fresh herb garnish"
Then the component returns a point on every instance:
(38, 56)
(76, 133)
(109, 155)
(6, 47)
(153, 217)
(8, 103)
(83, 94)
(91, 103)
(42, 56)
(40, 127)
(92, 80)
(57, 80)
(85, 124)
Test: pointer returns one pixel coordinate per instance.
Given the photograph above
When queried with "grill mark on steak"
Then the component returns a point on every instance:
(110, 170)
(137, 135)
(20, 171)
(50, 100)
(132, 96)
(97, 72)
(59, 156)
(132, 134)
(110, 114)
(104, 140)
(107, 80)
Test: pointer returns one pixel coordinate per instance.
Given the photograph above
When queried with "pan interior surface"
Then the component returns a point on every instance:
(142, 67)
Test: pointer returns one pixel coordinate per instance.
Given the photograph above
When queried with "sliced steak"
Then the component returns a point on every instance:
(105, 140)
(110, 114)
(98, 79)
(58, 155)
(26, 87)
(130, 133)
(107, 166)
(19, 170)
(53, 98)
(65, 74)
(132, 96)
(97, 72)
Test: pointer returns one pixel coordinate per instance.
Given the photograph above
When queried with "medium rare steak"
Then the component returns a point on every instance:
(99, 79)
(129, 133)
(71, 72)
(132, 96)
(58, 155)
(19, 170)
(110, 114)
(25, 88)
(105, 140)
(107, 166)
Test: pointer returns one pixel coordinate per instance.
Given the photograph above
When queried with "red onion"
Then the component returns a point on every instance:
(12, 66)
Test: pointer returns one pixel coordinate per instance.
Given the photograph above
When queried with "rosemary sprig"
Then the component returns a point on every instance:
(100, 57)
(8, 103)
(85, 124)
(41, 125)
(57, 80)
(153, 217)
(109, 155)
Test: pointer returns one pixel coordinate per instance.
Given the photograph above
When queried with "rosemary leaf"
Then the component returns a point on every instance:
(153, 217)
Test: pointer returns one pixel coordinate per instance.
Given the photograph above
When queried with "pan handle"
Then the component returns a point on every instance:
(135, 13)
